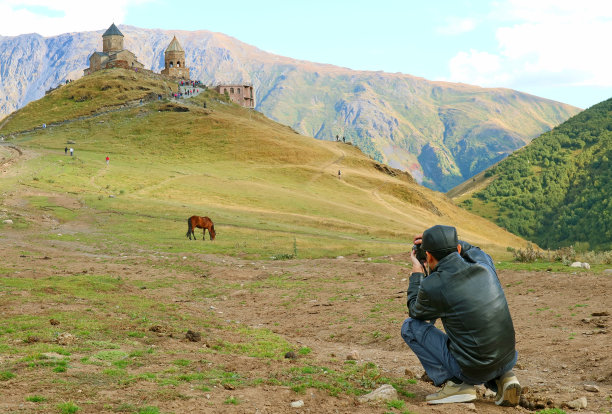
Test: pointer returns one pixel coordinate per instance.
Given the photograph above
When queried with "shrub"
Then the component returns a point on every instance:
(529, 254)
(565, 255)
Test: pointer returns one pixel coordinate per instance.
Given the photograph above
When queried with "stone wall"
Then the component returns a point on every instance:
(112, 44)
(240, 94)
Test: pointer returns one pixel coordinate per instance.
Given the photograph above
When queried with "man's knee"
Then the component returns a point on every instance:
(409, 328)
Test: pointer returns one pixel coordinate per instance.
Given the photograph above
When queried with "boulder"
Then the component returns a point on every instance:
(586, 266)
(8, 221)
(353, 356)
(577, 404)
(576, 264)
(383, 393)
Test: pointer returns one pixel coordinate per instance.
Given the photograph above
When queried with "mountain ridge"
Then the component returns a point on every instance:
(390, 116)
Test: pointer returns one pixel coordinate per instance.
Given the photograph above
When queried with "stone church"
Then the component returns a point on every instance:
(174, 61)
(113, 54)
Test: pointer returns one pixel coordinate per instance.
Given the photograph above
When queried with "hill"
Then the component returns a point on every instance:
(555, 191)
(271, 186)
(442, 133)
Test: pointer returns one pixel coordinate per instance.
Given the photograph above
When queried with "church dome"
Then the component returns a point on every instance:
(112, 31)
(174, 46)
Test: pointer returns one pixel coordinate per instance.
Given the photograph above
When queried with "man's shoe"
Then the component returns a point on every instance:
(452, 393)
(508, 390)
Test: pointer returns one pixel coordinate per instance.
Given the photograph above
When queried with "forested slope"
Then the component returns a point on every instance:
(557, 191)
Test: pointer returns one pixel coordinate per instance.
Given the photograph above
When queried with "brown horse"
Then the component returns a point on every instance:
(201, 223)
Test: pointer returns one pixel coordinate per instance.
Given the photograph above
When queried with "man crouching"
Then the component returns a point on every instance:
(463, 290)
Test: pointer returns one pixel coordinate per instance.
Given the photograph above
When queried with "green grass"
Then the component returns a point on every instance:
(36, 398)
(6, 375)
(352, 379)
(148, 410)
(68, 408)
(231, 400)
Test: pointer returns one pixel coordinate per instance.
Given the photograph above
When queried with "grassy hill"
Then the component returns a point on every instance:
(270, 191)
(556, 191)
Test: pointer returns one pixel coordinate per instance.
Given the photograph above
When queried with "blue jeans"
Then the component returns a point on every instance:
(430, 345)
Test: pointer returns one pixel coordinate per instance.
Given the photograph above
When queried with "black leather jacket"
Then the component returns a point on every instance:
(465, 293)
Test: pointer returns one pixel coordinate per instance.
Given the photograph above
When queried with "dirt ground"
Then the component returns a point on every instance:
(330, 306)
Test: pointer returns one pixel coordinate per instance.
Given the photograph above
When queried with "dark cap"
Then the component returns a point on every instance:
(439, 239)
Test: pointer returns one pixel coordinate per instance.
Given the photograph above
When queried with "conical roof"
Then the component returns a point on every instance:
(112, 31)
(174, 46)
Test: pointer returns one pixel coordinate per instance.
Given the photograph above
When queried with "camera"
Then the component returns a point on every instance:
(419, 252)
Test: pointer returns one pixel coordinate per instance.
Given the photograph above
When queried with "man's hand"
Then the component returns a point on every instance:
(416, 265)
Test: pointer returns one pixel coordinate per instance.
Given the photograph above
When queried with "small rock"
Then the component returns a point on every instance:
(591, 388)
(54, 322)
(576, 264)
(32, 339)
(489, 393)
(383, 393)
(229, 386)
(608, 271)
(291, 355)
(297, 404)
(65, 338)
(340, 257)
(578, 404)
(8, 221)
(586, 266)
(353, 356)
(409, 373)
(157, 328)
(193, 336)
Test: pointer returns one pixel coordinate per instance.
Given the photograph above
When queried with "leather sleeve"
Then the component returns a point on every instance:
(419, 303)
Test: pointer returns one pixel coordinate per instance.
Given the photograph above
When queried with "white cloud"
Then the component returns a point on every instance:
(455, 26)
(544, 43)
(50, 18)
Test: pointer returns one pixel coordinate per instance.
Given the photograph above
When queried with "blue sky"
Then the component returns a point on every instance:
(557, 49)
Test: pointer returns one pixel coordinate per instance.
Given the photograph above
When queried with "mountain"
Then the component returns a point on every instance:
(557, 191)
(267, 188)
(442, 133)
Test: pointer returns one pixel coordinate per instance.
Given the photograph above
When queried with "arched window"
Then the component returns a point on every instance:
(178, 64)
(238, 90)
(231, 90)
(171, 64)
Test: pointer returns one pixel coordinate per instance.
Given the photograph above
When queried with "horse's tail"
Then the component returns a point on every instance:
(188, 227)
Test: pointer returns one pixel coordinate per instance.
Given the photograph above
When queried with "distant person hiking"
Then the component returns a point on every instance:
(66, 151)
(71, 151)
(107, 159)
(457, 283)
